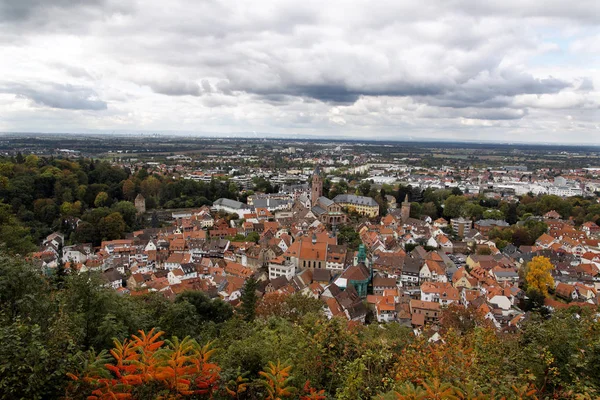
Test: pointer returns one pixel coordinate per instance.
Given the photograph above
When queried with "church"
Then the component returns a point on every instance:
(326, 210)
(331, 211)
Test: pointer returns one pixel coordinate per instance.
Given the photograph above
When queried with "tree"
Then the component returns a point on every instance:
(429, 209)
(215, 310)
(127, 211)
(493, 214)
(364, 188)
(538, 275)
(155, 222)
(150, 187)
(453, 206)
(461, 319)
(129, 189)
(101, 199)
(253, 237)
(111, 227)
(14, 238)
(291, 307)
(249, 299)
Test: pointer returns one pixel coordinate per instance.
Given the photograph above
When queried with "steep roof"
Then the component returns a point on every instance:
(358, 272)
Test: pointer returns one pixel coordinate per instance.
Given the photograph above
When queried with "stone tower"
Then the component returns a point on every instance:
(140, 204)
(405, 211)
(316, 189)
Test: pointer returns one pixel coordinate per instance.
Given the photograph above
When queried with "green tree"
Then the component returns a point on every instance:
(253, 237)
(208, 310)
(454, 206)
(111, 227)
(249, 299)
(101, 199)
(127, 211)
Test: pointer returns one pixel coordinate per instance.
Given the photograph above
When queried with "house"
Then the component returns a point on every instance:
(440, 223)
(281, 267)
(585, 292)
(113, 278)
(136, 281)
(497, 299)
(385, 307)
(484, 226)
(175, 260)
(438, 292)
(78, 253)
(462, 279)
(276, 284)
(505, 275)
(231, 206)
(590, 228)
(343, 303)
(552, 214)
(175, 276)
(336, 257)
(55, 240)
(566, 291)
(189, 271)
(410, 271)
(445, 244)
(428, 312)
(433, 270)
(381, 284)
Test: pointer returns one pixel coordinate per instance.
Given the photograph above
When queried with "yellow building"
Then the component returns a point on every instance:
(363, 205)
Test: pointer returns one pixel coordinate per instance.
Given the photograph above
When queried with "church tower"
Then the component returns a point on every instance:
(405, 211)
(316, 189)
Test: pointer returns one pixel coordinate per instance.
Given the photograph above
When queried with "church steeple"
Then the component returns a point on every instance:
(316, 189)
(405, 210)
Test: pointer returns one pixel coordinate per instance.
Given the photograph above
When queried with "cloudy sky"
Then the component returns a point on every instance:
(512, 70)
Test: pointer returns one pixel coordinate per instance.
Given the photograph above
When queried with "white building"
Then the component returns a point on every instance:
(283, 268)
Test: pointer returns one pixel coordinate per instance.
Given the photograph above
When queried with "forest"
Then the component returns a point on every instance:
(69, 337)
(41, 195)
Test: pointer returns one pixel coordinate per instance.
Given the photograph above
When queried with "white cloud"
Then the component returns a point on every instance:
(453, 69)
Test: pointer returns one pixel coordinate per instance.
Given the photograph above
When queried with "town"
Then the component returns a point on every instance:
(373, 232)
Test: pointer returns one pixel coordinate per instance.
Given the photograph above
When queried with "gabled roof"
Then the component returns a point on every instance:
(358, 272)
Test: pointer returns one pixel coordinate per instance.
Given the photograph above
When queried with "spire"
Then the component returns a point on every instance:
(406, 198)
(317, 170)
(362, 253)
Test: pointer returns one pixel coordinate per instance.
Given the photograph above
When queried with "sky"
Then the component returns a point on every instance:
(507, 71)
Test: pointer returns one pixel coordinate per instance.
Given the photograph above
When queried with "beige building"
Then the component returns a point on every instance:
(363, 205)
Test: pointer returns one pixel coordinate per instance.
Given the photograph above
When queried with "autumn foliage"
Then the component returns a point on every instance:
(538, 274)
(169, 369)
(277, 379)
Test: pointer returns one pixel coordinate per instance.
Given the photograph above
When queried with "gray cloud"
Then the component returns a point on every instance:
(20, 10)
(586, 85)
(176, 88)
(311, 64)
(54, 95)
